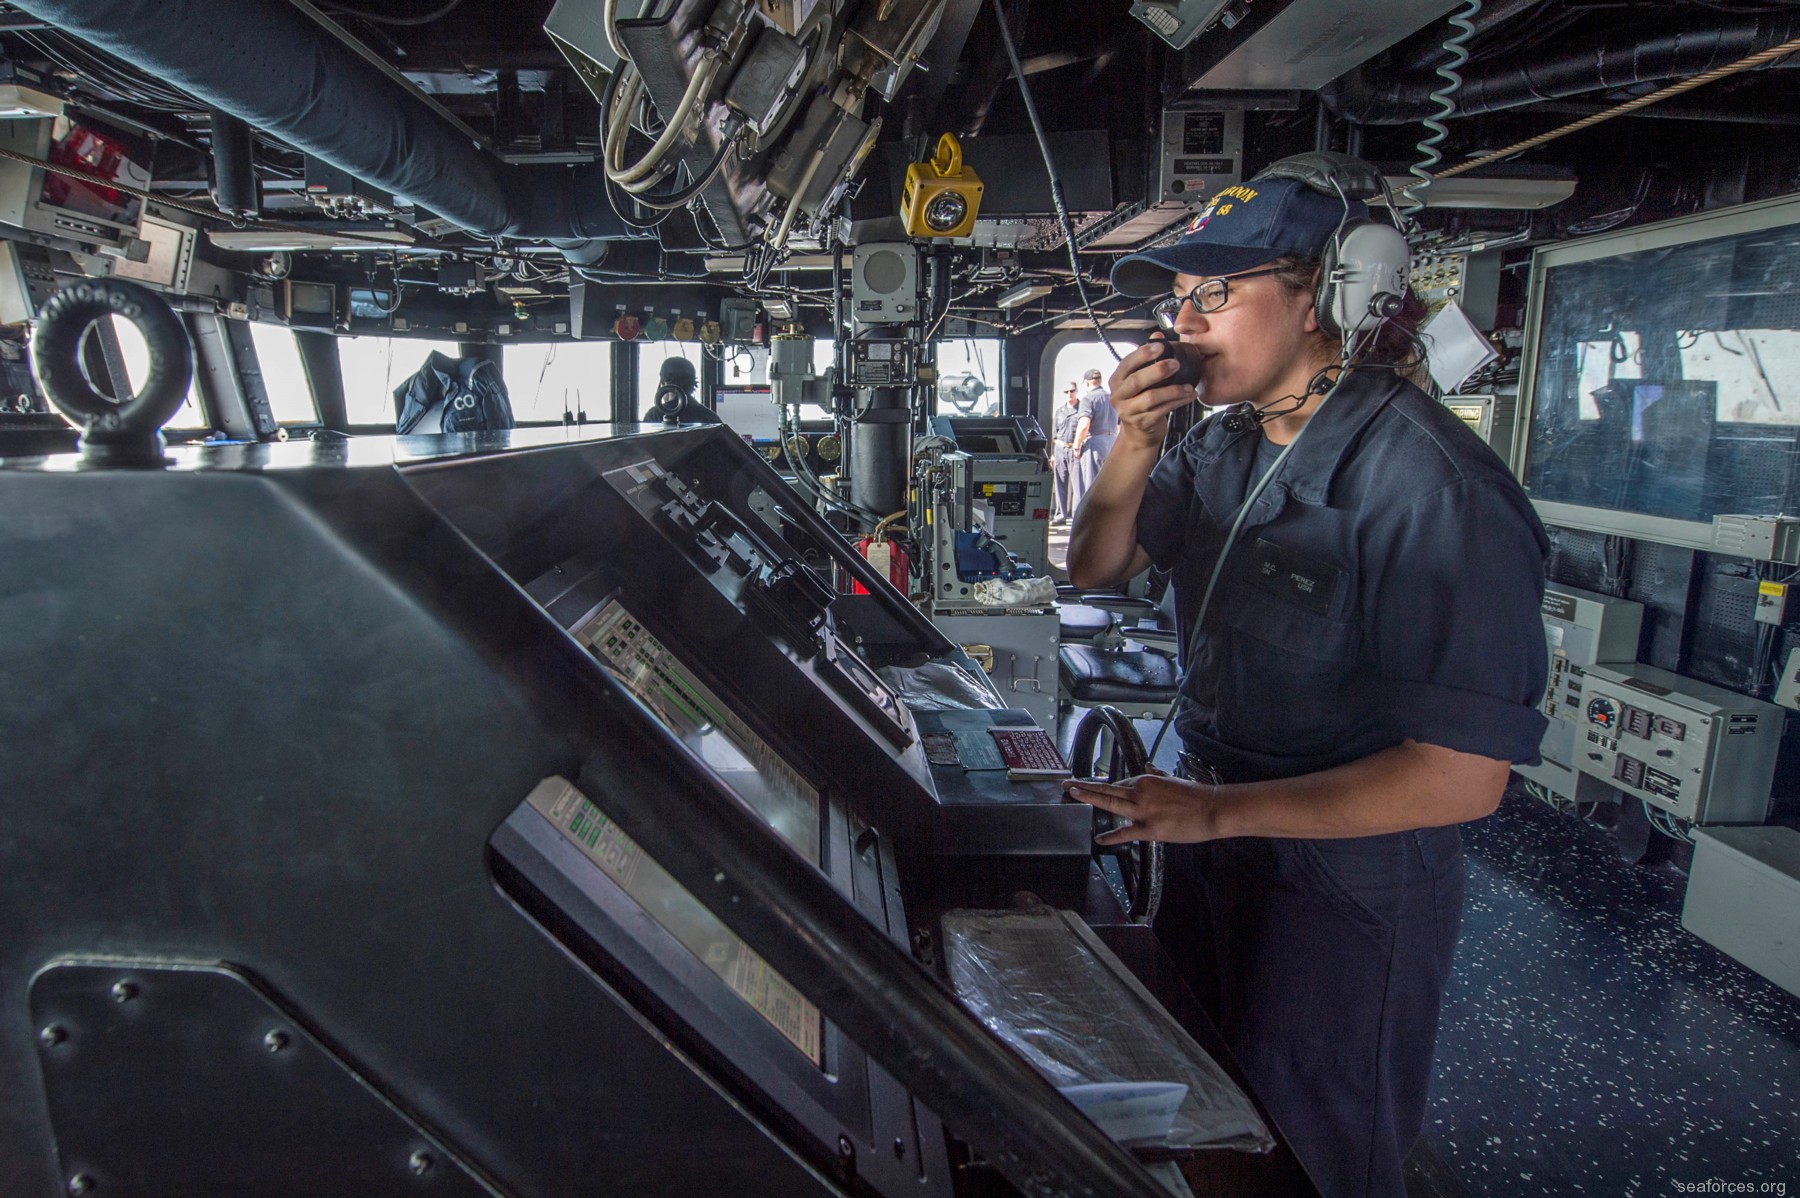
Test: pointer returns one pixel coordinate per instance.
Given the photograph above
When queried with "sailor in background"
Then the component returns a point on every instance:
(1062, 457)
(1095, 429)
(675, 402)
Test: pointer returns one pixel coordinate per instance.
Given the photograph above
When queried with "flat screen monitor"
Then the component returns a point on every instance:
(687, 707)
(754, 770)
(750, 411)
(1662, 375)
(992, 434)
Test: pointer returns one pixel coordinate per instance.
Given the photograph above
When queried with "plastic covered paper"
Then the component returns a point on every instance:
(938, 686)
(1041, 981)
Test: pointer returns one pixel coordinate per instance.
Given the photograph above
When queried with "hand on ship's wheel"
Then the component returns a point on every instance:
(1107, 748)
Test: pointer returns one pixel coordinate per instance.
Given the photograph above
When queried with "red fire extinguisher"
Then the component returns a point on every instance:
(889, 560)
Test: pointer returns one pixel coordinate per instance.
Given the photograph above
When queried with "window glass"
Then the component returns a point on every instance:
(969, 377)
(374, 366)
(546, 381)
(650, 360)
(137, 368)
(284, 378)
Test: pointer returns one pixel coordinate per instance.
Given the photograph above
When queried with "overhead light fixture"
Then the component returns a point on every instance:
(1515, 192)
(1024, 293)
(18, 102)
(779, 309)
(255, 240)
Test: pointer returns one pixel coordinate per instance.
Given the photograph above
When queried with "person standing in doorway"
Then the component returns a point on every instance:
(1062, 456)
(1095, 427)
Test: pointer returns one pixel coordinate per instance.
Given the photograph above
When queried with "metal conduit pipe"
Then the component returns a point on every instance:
(269, 65)
(1616, 58)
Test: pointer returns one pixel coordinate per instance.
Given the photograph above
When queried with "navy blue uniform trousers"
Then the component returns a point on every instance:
(1324, 963)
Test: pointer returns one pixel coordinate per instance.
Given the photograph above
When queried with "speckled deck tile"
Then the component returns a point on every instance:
(1590, 1045)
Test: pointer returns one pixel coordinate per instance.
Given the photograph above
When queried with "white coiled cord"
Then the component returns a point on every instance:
(1451, 73)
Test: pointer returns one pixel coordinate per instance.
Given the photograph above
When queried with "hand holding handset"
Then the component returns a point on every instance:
(1187, 358)
(1153, 380)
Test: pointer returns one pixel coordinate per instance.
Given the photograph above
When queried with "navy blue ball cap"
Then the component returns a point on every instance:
(1242, 227)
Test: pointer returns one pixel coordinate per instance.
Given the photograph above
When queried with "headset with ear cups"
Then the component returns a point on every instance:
(1364, 265)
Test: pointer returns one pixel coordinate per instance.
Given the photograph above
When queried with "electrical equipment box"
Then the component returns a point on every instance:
(1490, 416)
(1698, 751)
(884, 283)
(1472, 280)
(1202, 151)
(1787, 691)
(1762, 538)
(1011, 496)
(882, 362)
(1581, 628)
(1024, 646)
(737, 321)
(1743, 898)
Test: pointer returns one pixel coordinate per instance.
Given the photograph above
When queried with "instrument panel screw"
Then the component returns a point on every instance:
(81, 1183)
(420, 1163)
(52, 1035)
(275, 1041)
(124, 991)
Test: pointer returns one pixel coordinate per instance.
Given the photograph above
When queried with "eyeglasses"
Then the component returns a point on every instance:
(1209, 296)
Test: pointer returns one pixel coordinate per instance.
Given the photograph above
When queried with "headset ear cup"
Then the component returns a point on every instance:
(1372, 260)
(1325, 299)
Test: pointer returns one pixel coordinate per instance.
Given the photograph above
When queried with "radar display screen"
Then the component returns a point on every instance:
(682, 915)
(688, 708)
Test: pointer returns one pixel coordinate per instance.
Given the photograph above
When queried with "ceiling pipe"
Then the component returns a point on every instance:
(264, 62)
(1618, 57)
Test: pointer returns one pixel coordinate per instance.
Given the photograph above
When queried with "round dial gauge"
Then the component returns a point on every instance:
(1604, 712)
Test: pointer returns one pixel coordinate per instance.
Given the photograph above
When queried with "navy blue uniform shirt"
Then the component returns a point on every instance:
(1385, 586)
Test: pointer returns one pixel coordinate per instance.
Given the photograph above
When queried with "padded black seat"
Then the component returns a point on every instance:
(1135, 676)
(1123, 604)
(1080, 622)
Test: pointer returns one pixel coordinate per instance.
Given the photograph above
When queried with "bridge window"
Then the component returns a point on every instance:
(546, 381)
(373, 366)
(969, 377)
(290, 396)
(650, 359)
(136, 354)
